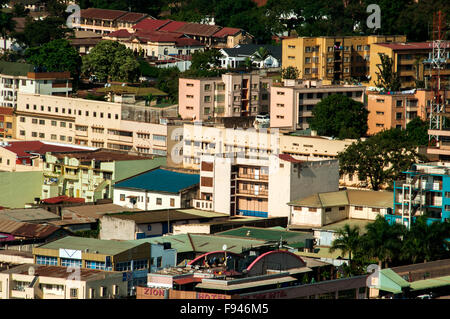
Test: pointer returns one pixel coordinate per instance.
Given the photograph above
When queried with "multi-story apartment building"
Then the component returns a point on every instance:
(201, 140)
(332, 59)
(91, 174)
(425, 191)
(397, 109)
(104, 21)
(231, 95)
(291, 105)
(410, 63)
(91, 123)
(7, 123)
(21, 77)
(250, 186)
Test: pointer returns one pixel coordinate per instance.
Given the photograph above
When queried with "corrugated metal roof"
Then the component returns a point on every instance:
(28, 230)
(333, 199)
(106, 247)
(268, 234)
(160, 180)
(430, 283)
(223, 286)
(27, 214)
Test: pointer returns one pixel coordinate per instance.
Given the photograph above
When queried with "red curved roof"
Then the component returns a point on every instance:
(270, 253)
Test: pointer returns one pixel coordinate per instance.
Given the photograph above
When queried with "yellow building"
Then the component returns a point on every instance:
(332, 59)
(7, 123)
(408, 62)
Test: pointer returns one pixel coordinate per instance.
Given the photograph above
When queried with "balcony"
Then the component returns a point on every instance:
(203, 204)
(253, 177)
(262, 193)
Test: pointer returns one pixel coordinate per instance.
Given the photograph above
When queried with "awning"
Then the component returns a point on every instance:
(187, 280)
(430, 283)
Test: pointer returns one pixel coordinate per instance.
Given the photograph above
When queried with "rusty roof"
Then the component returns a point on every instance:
(205, 30)
(60, 272)
(103, 14)
(132, 17)
(28, 230)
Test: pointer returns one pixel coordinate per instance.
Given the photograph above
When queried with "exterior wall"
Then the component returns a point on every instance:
(369, 213)
(7, 124)
(303, 216)
(27, 184)
(168, 257)
(114, 228)
(150, 204)
(283, 105)
(87, 122)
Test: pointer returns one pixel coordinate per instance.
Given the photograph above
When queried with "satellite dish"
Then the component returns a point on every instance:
(224, 247)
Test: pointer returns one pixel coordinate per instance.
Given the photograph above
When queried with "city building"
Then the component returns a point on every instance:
(105, 255)
(424, 191)
(325, 208)
(138, 225)
(157, 189)
(116, 126)
(18, 77)
(7, 123)
(233, 57)
(91, 174)
(232, 94)
(250, 186)
(34, 281)
(104, 21)
(291, 104)
(333, 59)
(409, 62)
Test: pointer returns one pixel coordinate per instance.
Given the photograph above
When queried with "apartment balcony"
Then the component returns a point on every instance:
(253, 193)
(203, 204)
(253, 177)
(119, 138)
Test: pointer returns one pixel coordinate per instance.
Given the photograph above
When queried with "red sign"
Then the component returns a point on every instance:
(155, 292)
(201, 295)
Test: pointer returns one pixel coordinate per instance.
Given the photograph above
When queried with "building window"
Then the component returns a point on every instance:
(358, 208)
(312, 209)
(172, 202)
(46, 260)
(68, 262)
(73, 292)
(122, 197)
(158, 201)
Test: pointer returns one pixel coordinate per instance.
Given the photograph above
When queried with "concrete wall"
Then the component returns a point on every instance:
(115, 228)
(150, 203)
(19, 188)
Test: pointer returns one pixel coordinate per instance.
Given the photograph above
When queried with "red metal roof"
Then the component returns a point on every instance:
(122, 33)
(289, 158)
(132, 17)
(150, 24)
(172, 26)
(61, 199)
(156, 36)
(182, 42)
(103, 14)
(224, 32)
(199, 29)
(23, 148)
(411, 45)
(29, 230)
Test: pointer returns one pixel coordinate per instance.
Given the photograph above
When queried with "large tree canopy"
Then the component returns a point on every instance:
(339, 116)
(56, 55)
(111, 60)
(380, 159)
(39, 32)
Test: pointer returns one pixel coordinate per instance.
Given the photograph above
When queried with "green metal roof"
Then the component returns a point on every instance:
(106, 247)
(323, 252)
(430, 283)
(15, 68)
(390, 281)
(202, 243)
(361, 223)
(268, 234)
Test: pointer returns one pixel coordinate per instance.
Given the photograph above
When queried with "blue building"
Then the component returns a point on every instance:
(425, 191)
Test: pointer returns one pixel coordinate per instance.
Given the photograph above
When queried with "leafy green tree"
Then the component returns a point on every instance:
(383, 241)
(205, 63)
(339, 116)
(417, 131)
(55, 56)
(168, 82)
(380, 159)
(111, 60)
(7, 25)
(388, 79)
(290, 73)
(19, 10)
(39, 32)
(348, 241)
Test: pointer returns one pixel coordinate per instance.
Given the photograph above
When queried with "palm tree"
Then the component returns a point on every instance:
(425, 242)
(261, 54)
(348, 241)
(383, 241)
(7, 24)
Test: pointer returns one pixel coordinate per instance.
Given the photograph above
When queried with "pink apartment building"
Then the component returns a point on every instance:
(231, 95)
(291, 104)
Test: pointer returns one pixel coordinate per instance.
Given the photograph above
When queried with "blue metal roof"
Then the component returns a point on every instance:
(160, 180)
